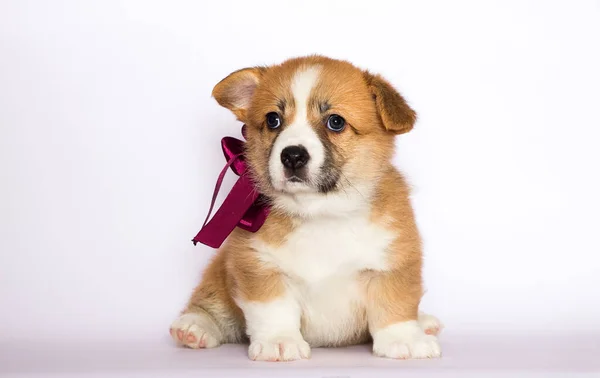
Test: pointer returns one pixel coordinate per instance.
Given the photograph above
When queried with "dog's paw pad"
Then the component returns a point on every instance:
(279, 349)
(430, 324)
(195, 331)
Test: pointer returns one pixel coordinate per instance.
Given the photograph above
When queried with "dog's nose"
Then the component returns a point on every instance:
(294, 157)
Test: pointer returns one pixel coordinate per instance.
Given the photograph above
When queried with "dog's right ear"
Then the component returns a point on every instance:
(236, 90)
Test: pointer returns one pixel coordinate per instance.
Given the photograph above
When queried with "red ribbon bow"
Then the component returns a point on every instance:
(243, 207)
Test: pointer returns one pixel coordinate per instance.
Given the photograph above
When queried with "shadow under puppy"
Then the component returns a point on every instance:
(338, 260)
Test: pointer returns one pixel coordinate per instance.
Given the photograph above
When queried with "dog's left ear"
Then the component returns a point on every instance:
(235, 92)
(397, 117)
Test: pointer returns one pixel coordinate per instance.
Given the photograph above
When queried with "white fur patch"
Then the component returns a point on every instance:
(351, 199)
(266, 319)
(322, 259)
(274, 329)
(298, 132)
(405, 340)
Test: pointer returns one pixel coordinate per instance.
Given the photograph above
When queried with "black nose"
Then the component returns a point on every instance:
(294, 157)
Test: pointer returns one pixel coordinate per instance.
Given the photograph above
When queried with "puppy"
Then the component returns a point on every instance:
(338, 260)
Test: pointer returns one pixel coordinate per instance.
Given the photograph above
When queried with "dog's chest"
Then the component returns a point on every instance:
(321, 248)
(323, 260)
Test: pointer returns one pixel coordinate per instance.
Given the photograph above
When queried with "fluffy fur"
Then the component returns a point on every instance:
(338, 261)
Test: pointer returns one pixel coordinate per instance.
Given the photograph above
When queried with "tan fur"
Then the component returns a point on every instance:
(394, 296)
(375, 113)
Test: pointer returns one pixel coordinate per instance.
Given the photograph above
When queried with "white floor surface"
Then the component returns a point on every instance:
(464, 356)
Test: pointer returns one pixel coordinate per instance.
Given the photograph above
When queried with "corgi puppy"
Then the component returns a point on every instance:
(338, 260)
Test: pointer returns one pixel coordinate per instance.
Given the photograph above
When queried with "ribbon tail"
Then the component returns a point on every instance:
(218, 186)
(227, 217)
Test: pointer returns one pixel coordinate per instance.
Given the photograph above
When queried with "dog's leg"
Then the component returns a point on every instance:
(274, 329)
(392, 311)
(271, 311)
(211, 317)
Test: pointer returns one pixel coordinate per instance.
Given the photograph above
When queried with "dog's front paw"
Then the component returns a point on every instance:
(405, 340)
(196, 330)
(283, 348)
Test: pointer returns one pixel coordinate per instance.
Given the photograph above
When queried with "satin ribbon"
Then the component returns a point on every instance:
(243, 207)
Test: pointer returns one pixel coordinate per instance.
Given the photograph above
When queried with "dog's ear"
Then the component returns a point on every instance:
(397, 117)
(236, 90)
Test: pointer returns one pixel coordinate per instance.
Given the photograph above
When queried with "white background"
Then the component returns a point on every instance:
(109, 150)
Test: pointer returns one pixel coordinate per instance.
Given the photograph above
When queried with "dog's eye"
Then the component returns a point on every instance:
(273, 120)
(336, 123)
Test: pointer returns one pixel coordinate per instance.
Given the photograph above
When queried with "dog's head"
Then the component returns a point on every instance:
(315, 126)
